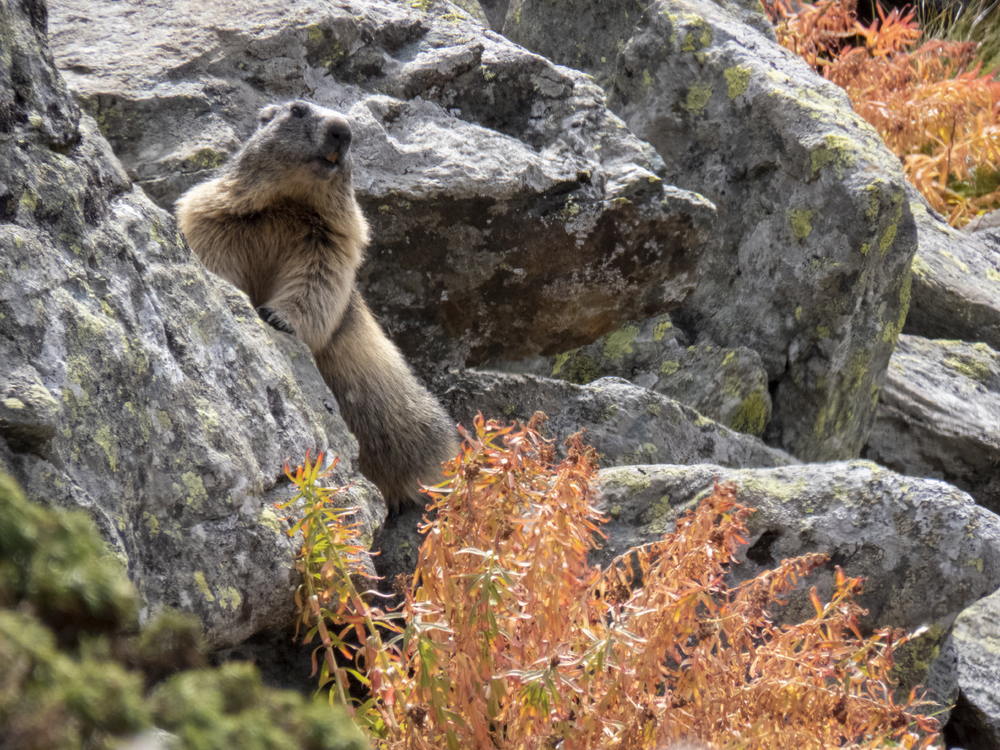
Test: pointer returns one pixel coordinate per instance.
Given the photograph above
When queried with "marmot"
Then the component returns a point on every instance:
(281, 223)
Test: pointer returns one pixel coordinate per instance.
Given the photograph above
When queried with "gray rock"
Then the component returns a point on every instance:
(939, 415)
(926, 550)
(956, 281)
(809, 262)
(135, 385)
(589, 34)
(625, 424)
(975, 643)
(728, 386)
(513, 215)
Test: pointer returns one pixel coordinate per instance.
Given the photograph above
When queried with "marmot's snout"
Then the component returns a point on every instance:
(338, 136)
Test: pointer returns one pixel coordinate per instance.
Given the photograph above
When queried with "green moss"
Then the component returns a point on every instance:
(751, 418)
(229, 707)
(738, 79)
(697, 97)
(800, 219)
(619, 343)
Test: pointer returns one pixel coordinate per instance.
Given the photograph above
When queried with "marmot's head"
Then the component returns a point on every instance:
(296, 146)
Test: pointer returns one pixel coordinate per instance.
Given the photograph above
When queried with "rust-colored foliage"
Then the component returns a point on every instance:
(931, 104)
(513, 640)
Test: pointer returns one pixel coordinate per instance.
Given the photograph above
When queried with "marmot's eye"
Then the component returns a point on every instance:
(298, 110)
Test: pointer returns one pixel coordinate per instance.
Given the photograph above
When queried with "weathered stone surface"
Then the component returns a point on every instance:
(728, 386)
(814, 235)
(975, 645)
(589, 34)
(956, 281)
(939, 415)
(135, 385)
(625, 423)
(513, 215)
(926, 549)
(807, 263)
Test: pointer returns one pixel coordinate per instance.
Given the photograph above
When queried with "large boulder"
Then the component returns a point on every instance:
(808, 263)
(729, 386)
(974, 647)
(512, 213)
(939, 415)
(926, 550)
(956, 281)
(134, 384)
(626, 424)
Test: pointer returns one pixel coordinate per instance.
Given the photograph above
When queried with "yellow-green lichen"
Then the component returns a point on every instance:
(823, 332)
(314, 33)
(619, 343)
(660, 329)
(270, 519)
(669, 368)
(800, 221)
(202, 584)
(697, 97)
(103, 438)
(798, 314)
(560, 361)
(968, 366)
(229, 598)
(196, 494)
(699, 37)
(751, 417)
(837, 152)
(661, 516)
(993, 275)
(958, 263)
(152, 523)
(653, 409)
(738, 79)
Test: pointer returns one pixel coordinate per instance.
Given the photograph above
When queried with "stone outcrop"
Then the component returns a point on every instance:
(729, 386)
(939, 415)
(926, 550)
(807, 263)
(512, 213)
(626, 424)
(974, 649)
(956, 281)
(134, 384)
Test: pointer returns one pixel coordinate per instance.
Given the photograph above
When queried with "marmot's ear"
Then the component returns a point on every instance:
(267, 114)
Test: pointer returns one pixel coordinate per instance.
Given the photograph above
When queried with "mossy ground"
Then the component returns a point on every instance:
(75, 670)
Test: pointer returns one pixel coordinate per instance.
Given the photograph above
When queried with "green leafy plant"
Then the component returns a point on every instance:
(513, 640)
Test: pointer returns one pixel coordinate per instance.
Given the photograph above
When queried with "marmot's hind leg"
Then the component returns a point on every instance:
(403, 433)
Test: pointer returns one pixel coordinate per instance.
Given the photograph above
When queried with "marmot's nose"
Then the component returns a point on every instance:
(338, 135)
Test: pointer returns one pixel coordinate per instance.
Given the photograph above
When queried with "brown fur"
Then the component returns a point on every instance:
(283, 225)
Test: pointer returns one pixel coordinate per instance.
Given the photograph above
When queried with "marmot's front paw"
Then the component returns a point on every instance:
(274, 320)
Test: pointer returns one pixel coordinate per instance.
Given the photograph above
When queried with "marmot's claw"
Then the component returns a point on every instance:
(274, 320)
